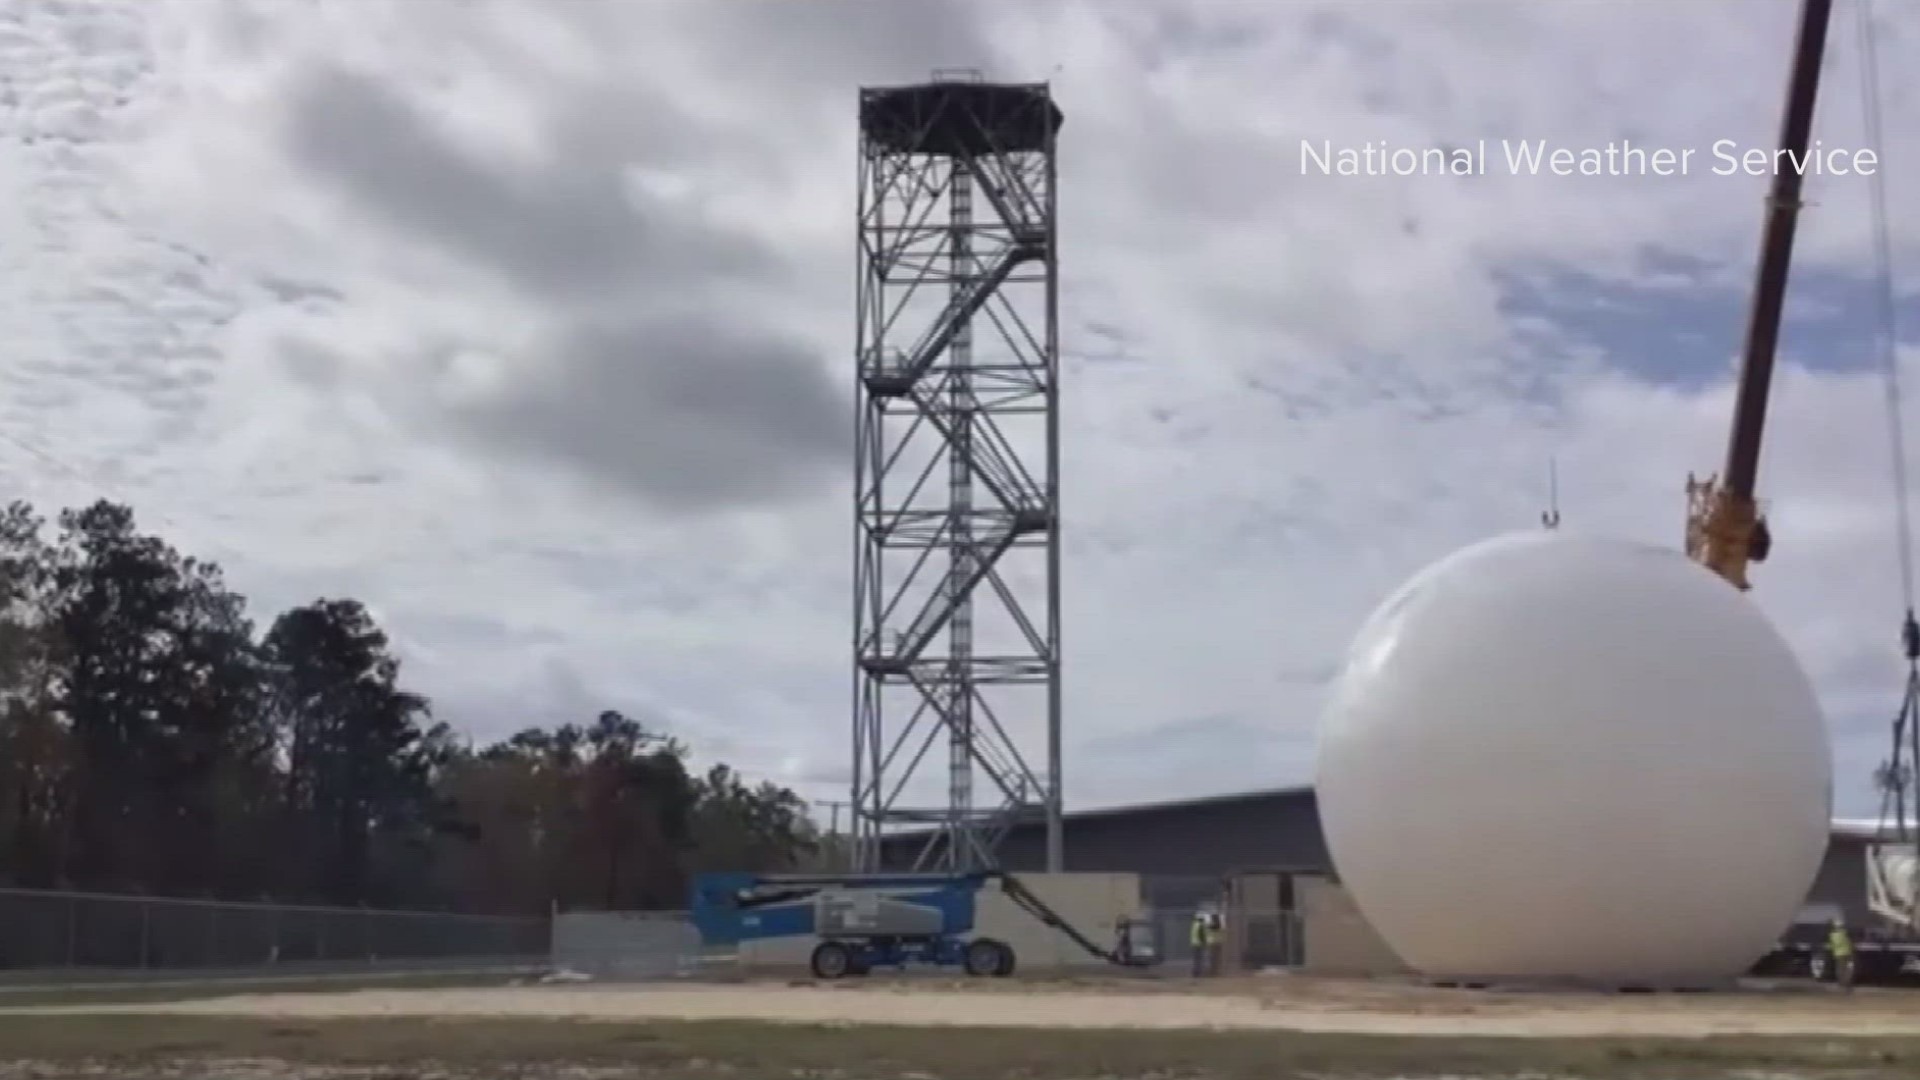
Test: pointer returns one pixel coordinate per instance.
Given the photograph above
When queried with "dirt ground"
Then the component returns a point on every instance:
(1256, 1028)
(1259, 1003)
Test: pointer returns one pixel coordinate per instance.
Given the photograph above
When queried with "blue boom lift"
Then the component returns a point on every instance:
(875, 920)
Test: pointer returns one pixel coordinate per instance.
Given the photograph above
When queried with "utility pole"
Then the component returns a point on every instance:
(841, 850)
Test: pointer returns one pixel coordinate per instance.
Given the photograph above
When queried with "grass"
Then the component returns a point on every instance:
(137, 991)
(107, 1047)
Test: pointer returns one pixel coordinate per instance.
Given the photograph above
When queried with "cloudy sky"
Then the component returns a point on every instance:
(530, 324)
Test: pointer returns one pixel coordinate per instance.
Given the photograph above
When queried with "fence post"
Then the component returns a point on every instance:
(73, 930)
(146, 933)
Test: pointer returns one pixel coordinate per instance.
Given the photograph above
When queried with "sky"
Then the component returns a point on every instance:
(529, 324)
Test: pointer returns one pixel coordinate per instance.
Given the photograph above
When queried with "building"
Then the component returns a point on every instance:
(1186, 849)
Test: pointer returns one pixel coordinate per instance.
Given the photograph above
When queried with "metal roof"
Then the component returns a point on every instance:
(1846, 828)
(1851, 828)
(1099, 813)
(1191, 803)
(1861, 828)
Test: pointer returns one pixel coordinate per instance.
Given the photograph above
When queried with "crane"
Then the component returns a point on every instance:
(1726, 532)
(1725, 528)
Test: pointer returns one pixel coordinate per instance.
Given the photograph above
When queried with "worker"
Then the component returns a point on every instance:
(1197, 938)
(1215, 928)
(1840, 944)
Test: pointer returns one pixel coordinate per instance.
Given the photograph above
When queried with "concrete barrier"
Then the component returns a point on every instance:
(1339, 940)
(625, 945)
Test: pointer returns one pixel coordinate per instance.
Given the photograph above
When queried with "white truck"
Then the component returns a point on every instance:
(1886, 939)
(1889, 945)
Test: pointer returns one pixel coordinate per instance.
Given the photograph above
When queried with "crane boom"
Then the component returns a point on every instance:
(1725, 530)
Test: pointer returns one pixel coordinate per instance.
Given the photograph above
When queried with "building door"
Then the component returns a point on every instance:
(1264, 925)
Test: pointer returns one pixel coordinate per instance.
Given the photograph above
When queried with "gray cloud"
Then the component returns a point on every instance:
(685, 411)
(830, 43)
(689, 409)
(571, 229)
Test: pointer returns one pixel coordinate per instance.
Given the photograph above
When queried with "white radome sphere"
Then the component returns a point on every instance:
(1555, 757)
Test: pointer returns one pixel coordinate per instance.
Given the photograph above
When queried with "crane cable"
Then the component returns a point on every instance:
(1887, 340)
(1896, 778)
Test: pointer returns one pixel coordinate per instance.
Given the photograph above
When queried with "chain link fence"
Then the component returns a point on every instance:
(43, 930)
(1263, 930)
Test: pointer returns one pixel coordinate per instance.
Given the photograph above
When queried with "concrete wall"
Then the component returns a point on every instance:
(1088, 902)
(625, 944)
(1338, 939)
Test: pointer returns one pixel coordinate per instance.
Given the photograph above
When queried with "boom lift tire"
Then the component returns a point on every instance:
(832, 960)
(985, 957)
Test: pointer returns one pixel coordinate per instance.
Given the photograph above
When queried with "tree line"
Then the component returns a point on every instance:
(153, 741)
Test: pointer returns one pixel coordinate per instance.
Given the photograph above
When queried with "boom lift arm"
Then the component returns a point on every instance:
(1725, 530)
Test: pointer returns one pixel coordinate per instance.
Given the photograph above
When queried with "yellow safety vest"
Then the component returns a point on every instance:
(1199, 932)
(1839, 943)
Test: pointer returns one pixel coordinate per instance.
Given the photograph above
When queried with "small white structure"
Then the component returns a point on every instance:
(1555, 757)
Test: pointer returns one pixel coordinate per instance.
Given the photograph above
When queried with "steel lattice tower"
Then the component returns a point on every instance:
(957, 567)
